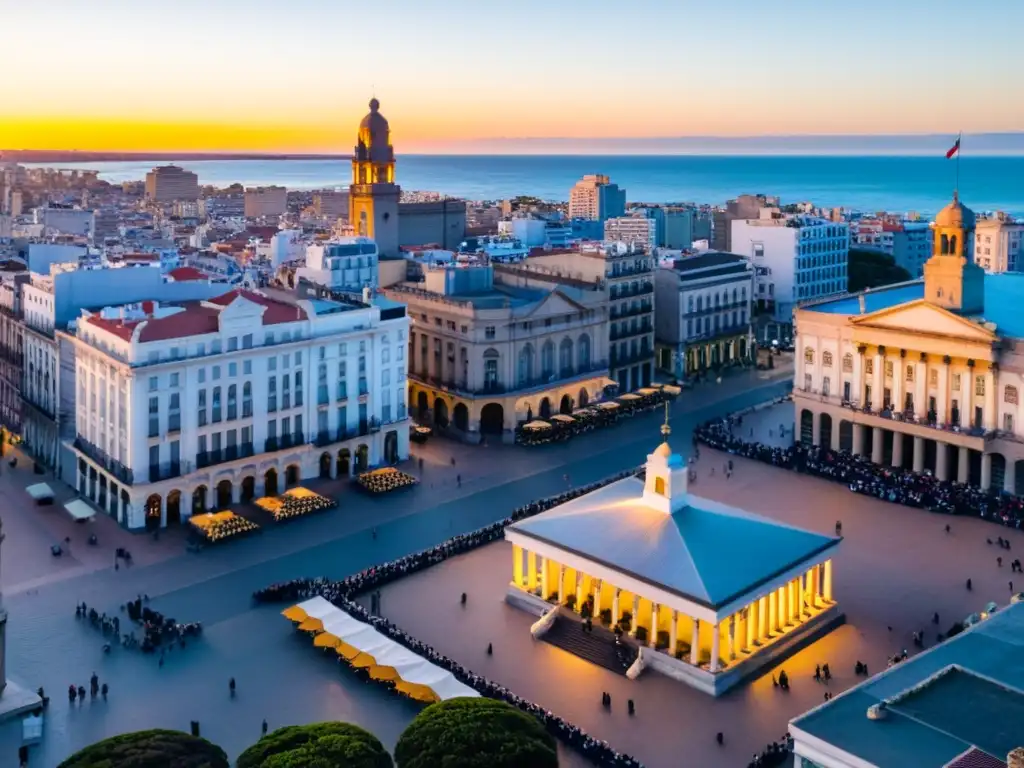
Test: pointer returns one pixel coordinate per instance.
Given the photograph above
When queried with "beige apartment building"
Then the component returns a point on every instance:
(331, 204)
(999, 244)
(261, 202)
(627, 271)
(494, 346)
(167, 183)
(596, 198)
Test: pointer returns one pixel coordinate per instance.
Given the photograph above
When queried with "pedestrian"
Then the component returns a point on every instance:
(1011, 586)
(999, 562)
(23, 755)
(94, 684)
(948, 529)
(463, 599)
(373, 532)
(264, 727)
(81, 692)
(968, 585)
(826, 672)
(817, 672)
(231, 687)
(104, 690)
(490, 649)
(631, 707)
(720, 738)
(935, 618)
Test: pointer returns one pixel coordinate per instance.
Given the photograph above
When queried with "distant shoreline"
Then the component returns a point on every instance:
(71, 156)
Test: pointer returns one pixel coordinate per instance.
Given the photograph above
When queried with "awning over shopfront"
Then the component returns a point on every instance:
(79, 510)
(315, 607)
(40, 491)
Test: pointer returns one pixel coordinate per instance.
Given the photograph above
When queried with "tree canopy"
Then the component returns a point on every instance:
(318, 745)
(150, 749)
(870, 269)
(475, 733)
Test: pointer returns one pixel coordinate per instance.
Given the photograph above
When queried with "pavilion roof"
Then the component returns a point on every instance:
(706, 552)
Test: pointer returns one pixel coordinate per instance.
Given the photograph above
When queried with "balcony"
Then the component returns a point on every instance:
(628, 271)
(625, 292)
(222, 455)
(158, 472)
(642, 355)
(115, 468)
(642, 329)
(717, 308)
(284, 441)
(643, 309)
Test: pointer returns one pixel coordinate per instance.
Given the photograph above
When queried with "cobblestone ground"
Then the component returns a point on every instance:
(280, 678)
(894, 569)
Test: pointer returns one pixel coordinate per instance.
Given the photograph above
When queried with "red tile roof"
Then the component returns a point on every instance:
(196, 318)
(181, 274)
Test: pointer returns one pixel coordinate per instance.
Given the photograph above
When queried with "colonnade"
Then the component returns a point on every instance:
(662, 627)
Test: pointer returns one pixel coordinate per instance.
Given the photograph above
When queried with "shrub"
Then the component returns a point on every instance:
(150, 749)
(318, 745)
(475, 733)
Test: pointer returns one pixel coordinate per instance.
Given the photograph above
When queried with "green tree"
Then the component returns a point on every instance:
(871, 269)
(475, 733)
(150, 749)
(318, 745)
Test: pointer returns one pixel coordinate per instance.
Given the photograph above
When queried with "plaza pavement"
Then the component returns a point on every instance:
(279, 677)
(895, 568)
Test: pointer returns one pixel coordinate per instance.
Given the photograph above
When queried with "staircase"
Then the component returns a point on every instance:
(597, 647)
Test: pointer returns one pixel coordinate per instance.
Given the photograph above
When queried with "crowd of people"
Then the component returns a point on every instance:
(860, 475)
(773, 755)
(157, 630)
(343, 594)
(561, 427)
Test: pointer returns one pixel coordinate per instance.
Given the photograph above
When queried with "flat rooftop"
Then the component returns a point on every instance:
(965, 693)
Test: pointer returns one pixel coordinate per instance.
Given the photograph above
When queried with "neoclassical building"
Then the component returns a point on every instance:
(492, 346)
(719, 592)
(926, 374)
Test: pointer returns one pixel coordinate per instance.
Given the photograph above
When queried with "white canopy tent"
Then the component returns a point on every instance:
(40, 492)
(80, 510)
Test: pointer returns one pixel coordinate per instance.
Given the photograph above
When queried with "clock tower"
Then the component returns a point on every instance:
(373, 196)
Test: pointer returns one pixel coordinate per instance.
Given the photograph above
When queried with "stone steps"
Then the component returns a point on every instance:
(597, 647)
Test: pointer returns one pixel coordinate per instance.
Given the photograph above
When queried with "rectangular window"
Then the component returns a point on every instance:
(888, 369)
(232, 370)
(933, 378)
(272, 394)
(286, 360)
(247, 341)
(869, 366)
(979, 386)
(154, 383)
(956, 382)
(342, 349)
(910, 373)
(233, 344)
(201, 444)
(489, 332)
(216, 372)
(202, 375)
(268, 338)
(216, 405)
(202, 407)
(154, 416)
(174, 380)
(247, 367)
(298, 389)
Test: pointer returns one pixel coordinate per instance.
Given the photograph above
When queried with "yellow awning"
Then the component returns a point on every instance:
(295, 613)
(537, 424)
(629, 396)
(562, 417)
(312, 624)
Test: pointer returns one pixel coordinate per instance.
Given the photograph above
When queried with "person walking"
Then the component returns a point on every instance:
(264, 727)
(231, 687)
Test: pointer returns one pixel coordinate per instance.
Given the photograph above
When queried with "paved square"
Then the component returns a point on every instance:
(895, 568)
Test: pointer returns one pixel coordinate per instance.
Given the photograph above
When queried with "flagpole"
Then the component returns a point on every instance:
(959, 151)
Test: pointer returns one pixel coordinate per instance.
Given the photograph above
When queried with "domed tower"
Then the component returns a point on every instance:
(373, 196)
(951, 278)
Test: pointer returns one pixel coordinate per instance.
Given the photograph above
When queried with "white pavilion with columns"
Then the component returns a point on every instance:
(713, 593)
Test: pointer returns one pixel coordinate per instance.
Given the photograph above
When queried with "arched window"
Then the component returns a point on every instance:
(826, 359)
(583, 352)
(547, 359)
(809, 355)
(944, 244)
(233, 402)
(565, 357)
(246, 400)
(847, 363)
(526, 364)
(952, 244)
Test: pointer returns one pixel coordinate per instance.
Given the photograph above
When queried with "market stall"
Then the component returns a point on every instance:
(41, 494)
(293, 503)
(420, 434)
(80, 510)
(213, 527)
(385, 480)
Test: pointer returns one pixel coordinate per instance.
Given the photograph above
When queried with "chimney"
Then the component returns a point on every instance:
(1016, 758)
(862, 304)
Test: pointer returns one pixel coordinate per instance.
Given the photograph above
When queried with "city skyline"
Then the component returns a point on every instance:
(256, 80)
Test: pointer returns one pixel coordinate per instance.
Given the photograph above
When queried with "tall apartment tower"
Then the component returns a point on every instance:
(167, 183)
(373, 196)
(595, 198)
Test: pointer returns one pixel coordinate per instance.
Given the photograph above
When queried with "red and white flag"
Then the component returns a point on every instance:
(954, 149)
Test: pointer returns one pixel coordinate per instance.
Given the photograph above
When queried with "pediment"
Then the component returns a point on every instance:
(921, 317)
(556, 303)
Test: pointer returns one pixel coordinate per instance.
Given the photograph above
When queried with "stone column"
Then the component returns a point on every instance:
(751, 625)
(715, 646)
(791, 602)
(773, 610)
(963, 466)
(941, 460)
(762, 618)
(544, 584)
(636, 616)
(815, 428)
(517, 565)
(826, 589)
(1010, 478)
(986, 471)
(673, 634)
(991, 402)
(531, 571)
(879, 385)
(815, 585)
(858, 439)
(732, 637)
(561, 584)
(877, 445)
(652, 635)
(579, 592)
(897, 450)
(695, 643)
(919, 454)
(615, 606)
(597, 598)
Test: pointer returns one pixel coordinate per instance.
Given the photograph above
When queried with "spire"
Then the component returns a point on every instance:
(666, 430)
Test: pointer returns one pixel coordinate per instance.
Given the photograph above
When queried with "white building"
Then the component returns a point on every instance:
(183, 409)
(286, 245)
(632, 230)
(343, 264)
(796, 260)
(999, 244)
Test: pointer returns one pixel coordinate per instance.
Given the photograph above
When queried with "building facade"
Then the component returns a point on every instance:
(743, 207)
(373, 196)
(628, 274)
(11, 352)
(494, 346)
(633, 230)
(704, 314)
(923, 375)
(796, 260)
(999, 244)
(596, 198)
(167, 183)
(183, 409)
(440, 222)
(330, 204)
(265, 201)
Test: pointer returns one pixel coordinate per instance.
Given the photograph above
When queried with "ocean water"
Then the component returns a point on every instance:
(870, 183)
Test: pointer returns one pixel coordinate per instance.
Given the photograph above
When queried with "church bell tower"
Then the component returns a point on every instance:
(951, 278)
(373, 195)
